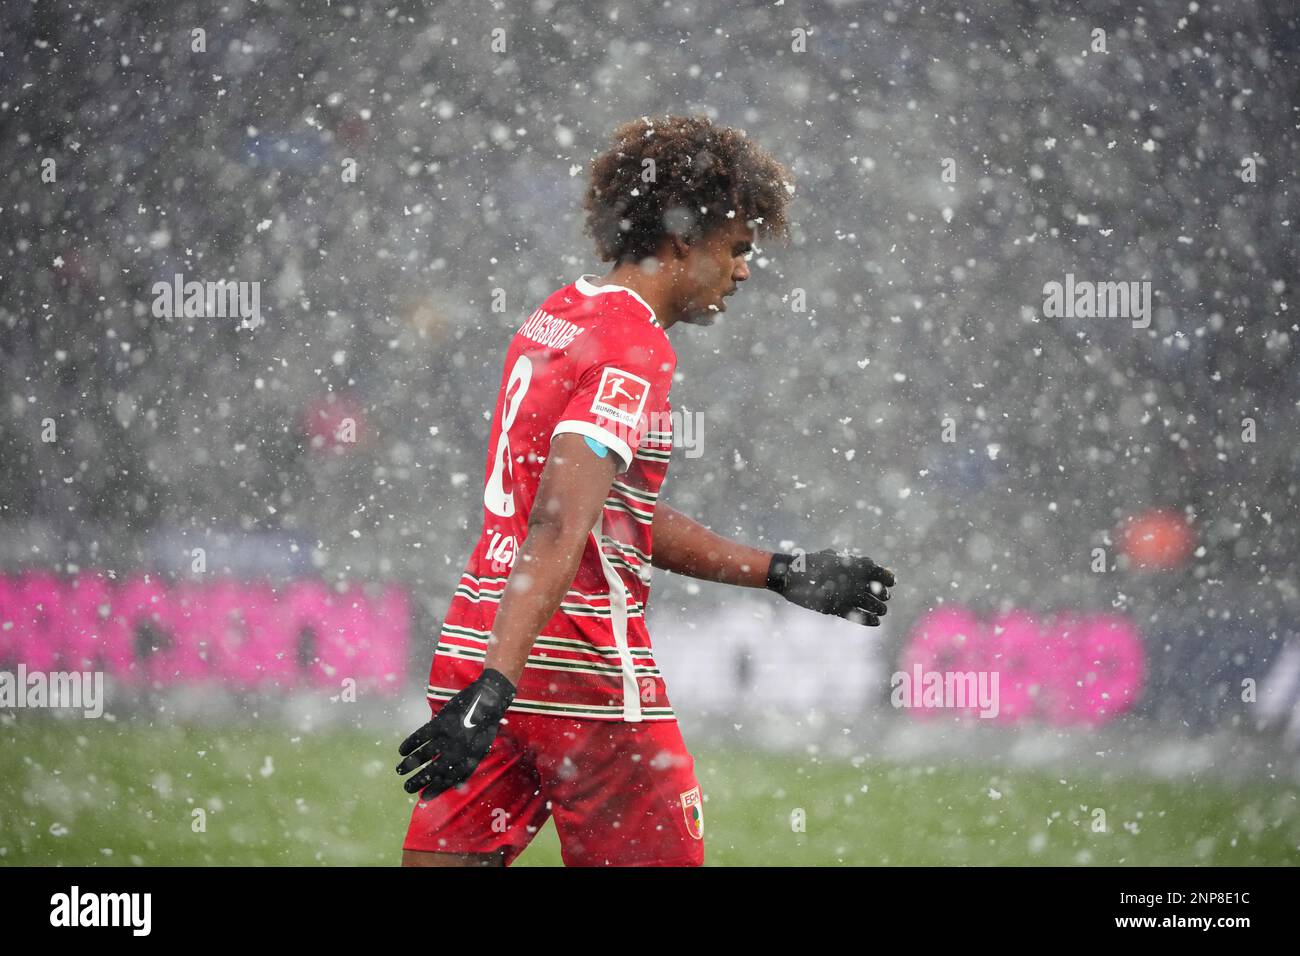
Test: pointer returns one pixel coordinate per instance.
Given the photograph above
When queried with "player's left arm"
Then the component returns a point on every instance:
(684, 546)
(845, 585)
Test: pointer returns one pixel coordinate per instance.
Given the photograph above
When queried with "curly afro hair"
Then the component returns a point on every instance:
(684, 176)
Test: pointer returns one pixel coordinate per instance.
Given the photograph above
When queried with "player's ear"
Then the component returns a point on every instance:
(679, 247)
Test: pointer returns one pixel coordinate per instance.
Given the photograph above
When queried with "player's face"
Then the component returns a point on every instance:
(714, 270)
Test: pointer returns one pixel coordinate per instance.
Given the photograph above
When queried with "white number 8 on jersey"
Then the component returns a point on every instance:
(495, 497)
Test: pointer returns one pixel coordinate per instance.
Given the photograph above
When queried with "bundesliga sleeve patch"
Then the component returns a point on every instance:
(621, 396)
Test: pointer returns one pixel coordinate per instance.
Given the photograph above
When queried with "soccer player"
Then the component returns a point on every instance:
(545, 695)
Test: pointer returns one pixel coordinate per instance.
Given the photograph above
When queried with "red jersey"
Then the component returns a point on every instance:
(592, 360)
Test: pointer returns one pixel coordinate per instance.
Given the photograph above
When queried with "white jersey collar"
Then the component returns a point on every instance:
(585, 285)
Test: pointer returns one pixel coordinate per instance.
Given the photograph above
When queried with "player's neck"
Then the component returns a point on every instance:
(650, 286)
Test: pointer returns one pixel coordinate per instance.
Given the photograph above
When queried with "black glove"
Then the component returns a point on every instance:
(832, 583)
(458, 736)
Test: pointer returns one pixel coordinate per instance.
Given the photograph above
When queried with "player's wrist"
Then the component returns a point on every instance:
(497, 682)
(778, 571)
(504, 660)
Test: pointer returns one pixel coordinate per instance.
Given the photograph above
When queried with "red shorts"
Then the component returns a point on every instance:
(623, 794)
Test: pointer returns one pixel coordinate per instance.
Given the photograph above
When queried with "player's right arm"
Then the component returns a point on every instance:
(570, 497)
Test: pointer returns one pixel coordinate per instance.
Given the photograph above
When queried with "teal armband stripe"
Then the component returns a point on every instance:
(600, 450)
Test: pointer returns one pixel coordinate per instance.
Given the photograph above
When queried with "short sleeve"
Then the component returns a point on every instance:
(624, 382)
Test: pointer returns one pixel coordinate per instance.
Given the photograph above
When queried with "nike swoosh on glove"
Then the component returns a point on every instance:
(451, 745)
(833, 582)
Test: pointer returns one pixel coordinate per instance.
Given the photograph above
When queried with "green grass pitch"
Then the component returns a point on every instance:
(122, 794)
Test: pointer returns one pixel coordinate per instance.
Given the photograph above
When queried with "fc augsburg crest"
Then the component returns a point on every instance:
(693, 810)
